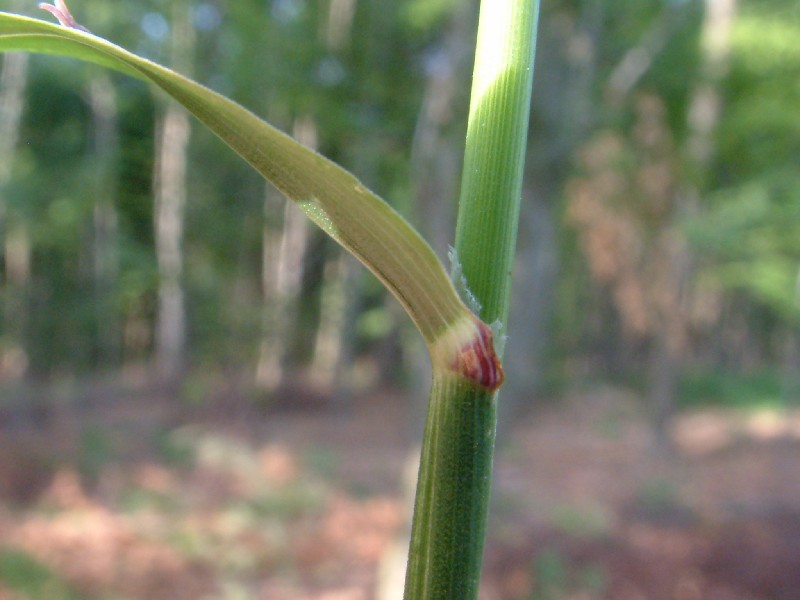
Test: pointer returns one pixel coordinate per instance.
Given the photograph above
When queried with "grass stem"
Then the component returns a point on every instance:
(454, 483)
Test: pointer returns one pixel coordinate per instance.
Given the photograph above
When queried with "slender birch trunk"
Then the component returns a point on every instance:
(170, 199)
(281, 272)
(105, 221)
(283, 255)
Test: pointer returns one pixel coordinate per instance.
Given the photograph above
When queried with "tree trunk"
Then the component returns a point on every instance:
(562, 113)
(105, 251)
(663, 386)
(534, 280)
(14, 238)
(281, 273)
(706, 104)
(330, 334)
(269, 372)
(170, 199)
(703, 117)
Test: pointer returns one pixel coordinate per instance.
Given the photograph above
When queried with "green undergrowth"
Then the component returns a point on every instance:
(28, 579)
(756, 390)
(556, 576)
(581, 521)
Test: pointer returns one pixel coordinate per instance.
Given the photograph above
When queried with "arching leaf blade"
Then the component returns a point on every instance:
(354, 216)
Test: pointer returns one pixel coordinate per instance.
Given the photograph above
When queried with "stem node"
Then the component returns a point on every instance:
(467, 349)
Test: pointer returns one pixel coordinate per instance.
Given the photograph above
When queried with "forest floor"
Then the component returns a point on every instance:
(129, 498)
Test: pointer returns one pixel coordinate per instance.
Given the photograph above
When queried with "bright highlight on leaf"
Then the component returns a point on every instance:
(332, 197)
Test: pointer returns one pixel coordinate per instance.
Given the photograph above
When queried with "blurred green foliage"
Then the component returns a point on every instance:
(749, 233)
(556, 577)
(761, 389)
(30, 579)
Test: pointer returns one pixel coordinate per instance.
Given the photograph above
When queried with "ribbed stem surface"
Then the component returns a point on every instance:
(497, 134)
(452, 492)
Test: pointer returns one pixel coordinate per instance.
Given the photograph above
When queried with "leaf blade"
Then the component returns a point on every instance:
(331, 196)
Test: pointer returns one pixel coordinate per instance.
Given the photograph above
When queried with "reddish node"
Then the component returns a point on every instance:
(477, 361)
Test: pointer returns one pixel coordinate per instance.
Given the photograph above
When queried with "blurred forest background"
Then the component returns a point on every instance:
(147, 274)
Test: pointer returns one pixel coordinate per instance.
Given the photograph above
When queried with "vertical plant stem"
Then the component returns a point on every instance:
(497, 133)
(454, 481)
